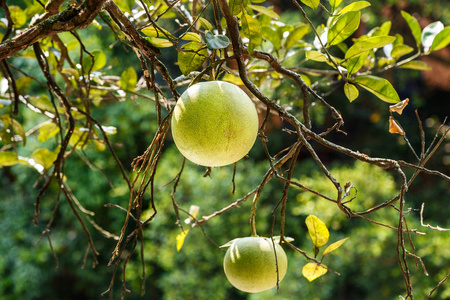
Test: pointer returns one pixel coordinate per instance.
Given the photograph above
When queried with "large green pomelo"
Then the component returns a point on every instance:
(214, 123)
(250, 264)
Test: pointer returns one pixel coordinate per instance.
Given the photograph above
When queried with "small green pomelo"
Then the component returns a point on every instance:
(214, 123)
(250, 264)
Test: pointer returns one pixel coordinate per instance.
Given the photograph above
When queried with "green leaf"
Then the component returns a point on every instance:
(414, 26)
(128, 80)
(252, 31)
(180, 239)
(235, 6)
(311, 3)
(18, 16)
(16, 127)
(351, 92)
(157, 33)
(367, 44)
(268, 12)
(205, 24)
(318, 231)
(343, 27)
(47, 131)
(218, 41)
(334, 4)
(43, 103)
(44, 157)
(313, 271)
(191, 57)
(191, 36)
(384, 29)
(8, 158)
(378, 86)
(160, 42)
(400, 50)
(416, 65)
(296, 35)
(316, 56)
(429, 33)
(355, 6)
(333, 246)
(441, 40)
(92, 64)
(356, 63)
(272, 35)
(22, 83)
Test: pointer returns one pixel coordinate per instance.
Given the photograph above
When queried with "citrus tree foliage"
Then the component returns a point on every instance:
(50, 76)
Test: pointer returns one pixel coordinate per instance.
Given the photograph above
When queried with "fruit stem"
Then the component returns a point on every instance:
(253, 215)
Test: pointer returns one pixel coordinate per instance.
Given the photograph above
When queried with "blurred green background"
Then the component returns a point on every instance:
(367, 262)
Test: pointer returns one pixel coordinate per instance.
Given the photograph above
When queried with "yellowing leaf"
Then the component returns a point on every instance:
(416, 65)
(313, 271)
(205, 24)
(47, 131)
(180, 239)
(311, 3)
(355, 6)
(266, 11)
(44, 157)
(191, 57)
(191, 36)
(318, 231)
(128, 79)
(8, 158)
(252, 30)
(333, 246)
(351, 92)
(316, 56)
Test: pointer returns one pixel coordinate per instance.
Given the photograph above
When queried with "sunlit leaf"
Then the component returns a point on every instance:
(351, 92)
(334, 4)
(313, 271)
(416, 65)
(311, 3)
(191, 36)
(355, 64)
(128, 80)
(218, 41)
(394, 127)
(157, 33)
(378, 86)
(205, 24)
(400, 50)
(384, 29)
(18, 16)
(367, 44)
(8, 158)
(296, 35)
(429, 33)
(191, 57)
(333, 246)
(94, 63)
(271, 34)
(343, 27)
(252, 31)
(160, 42)
(266, 11)
(44, 157)
(441, 40)
(318, 231)
(180, 239)
(316, 56)
(413, 25)
(47, 131)
(355, 6)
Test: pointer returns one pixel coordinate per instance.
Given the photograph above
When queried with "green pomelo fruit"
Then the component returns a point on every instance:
(214, 123)
(250, 264)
